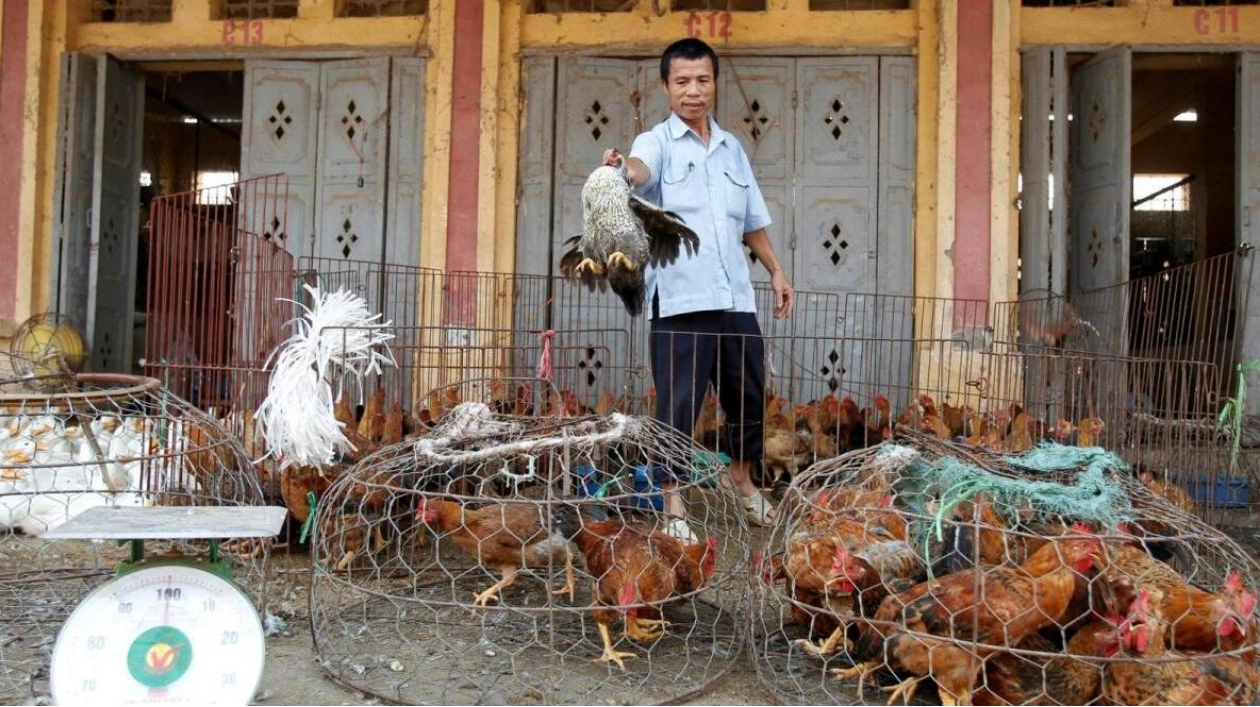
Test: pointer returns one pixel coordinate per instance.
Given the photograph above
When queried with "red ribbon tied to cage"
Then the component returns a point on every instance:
(544, 361)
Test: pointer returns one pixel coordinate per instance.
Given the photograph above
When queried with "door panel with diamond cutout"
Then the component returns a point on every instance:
(838, 120)
(1101, 186)
(350, 187)
(115, 210)
(755, 104)
(279, 136)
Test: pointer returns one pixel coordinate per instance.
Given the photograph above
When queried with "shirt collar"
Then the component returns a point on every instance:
(677, 128)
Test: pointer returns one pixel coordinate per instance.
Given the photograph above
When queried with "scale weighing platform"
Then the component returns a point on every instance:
(166, 629)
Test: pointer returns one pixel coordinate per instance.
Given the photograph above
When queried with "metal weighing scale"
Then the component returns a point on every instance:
(166, 629)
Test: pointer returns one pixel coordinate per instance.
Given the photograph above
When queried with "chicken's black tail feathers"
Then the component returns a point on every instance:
(628, 284)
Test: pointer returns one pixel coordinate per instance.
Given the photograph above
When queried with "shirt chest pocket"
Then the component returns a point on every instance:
(736, 187)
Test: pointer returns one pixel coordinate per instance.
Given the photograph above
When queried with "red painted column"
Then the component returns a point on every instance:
(974, 144)
(463, 196)
(12, 101)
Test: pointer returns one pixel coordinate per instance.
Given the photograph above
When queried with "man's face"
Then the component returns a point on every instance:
(691, 88)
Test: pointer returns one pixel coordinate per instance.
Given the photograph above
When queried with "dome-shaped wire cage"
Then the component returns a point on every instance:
(935, 573)
(441, 565)
(98, 440)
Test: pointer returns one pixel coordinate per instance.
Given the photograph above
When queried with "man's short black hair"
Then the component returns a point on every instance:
(688, 49)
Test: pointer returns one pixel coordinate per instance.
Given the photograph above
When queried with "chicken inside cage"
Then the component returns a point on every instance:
(528, 536)
(1051, 577)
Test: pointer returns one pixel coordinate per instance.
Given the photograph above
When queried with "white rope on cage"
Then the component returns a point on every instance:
(475, 420)
(337, 334)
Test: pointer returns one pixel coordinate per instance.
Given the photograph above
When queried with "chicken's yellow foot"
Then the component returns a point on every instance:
(570, 586)
(948, 698)
(859, 671)
(610, 655)
(642, 629)
(618, 256)
(828, 646)
(589, 264)
(904, 689)
(509, 578)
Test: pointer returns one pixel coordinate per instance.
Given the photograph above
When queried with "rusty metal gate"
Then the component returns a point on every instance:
(217, 290)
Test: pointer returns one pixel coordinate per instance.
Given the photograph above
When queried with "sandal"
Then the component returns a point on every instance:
(678, 528)
(760, 511)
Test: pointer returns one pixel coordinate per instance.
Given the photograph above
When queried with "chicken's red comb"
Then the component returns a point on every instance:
(1143, 602)
(886, 501)
(1233, 580)
(710, 542)
(1079, 527)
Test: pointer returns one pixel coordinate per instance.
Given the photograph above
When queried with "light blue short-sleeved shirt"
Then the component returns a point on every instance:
(713, 189)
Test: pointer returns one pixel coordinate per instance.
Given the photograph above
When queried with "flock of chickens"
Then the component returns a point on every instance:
(797, 436)
(1003, 610)
(1008, 611)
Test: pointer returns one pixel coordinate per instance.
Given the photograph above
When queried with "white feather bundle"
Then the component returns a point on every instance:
(338, 336)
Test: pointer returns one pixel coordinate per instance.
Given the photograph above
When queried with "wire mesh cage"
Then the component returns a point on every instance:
(1056, 576)
(416, 596)
(98, 440)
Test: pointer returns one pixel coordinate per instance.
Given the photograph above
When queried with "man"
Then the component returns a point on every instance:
(704, 322)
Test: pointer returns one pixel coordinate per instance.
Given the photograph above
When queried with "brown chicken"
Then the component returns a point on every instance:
(1200, 620)
(635, 572)
(392, 428)
(296, 483)
(373, 416)
(607, 404)
(1195, 680)
(1172, 493)
(850, 427)
(506, 537)
(1089, 430)
(347, 534)
(995, 606)
(344, 413)
(843, 560)
(708, 423)
(931, 420)
(785, 451)
(1035, 680)
(878, 421)
(1062, 431)
(1019, 436)
(980, 529)
(977, 429)
(955, 419)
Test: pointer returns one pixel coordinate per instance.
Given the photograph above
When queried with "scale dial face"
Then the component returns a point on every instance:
(169, 634)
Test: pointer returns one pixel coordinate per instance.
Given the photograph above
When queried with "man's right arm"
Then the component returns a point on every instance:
(637, 173)
(644, 160)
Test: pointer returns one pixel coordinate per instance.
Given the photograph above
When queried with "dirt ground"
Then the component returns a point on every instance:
(293, 677)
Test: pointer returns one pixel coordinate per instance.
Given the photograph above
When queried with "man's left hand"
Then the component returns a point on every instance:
(784, 295)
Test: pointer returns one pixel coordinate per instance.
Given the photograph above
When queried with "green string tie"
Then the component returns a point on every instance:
(1232, 413)
(310, 519)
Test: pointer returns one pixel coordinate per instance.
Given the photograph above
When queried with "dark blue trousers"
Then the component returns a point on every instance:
(689, 351)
